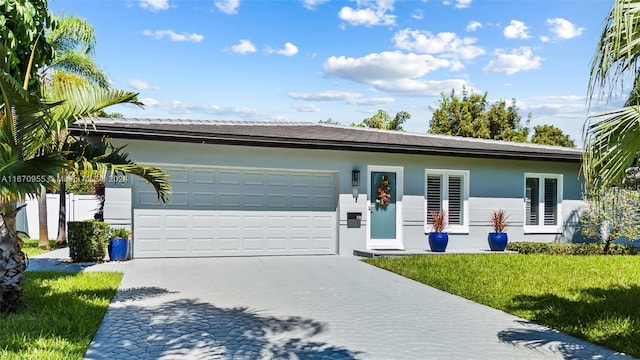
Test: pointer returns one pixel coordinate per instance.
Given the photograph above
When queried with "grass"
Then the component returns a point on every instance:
(591, 297)
(59, 315)
(30, 247)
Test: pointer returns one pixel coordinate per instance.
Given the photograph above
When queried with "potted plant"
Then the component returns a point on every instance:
(119, 244)
(438, 239)
(498, 238)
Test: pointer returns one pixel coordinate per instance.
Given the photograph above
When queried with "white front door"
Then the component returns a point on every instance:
(385, 189)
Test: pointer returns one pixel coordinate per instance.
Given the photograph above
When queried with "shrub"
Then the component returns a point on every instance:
(438, 220)
(87, 240)
(569, 249)
(499, 220)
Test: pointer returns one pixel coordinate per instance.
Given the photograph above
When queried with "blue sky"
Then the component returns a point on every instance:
(310, 60)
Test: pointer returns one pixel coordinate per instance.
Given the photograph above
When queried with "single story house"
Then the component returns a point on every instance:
(242, 188)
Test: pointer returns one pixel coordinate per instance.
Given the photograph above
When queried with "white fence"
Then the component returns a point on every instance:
(117, 211)
(79, 207)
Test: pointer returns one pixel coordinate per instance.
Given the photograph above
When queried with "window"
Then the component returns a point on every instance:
(448, 190)
(542, 203)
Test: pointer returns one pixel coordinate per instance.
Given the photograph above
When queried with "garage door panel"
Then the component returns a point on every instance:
(234, 212)
(203, 199)
(236, 233)
(203, 176)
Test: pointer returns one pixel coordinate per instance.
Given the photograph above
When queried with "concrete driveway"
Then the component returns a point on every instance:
(314, 307)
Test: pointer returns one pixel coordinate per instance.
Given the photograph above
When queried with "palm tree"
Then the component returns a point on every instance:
(612, 138)
(24, 166)
(82, 99)
(73, 41)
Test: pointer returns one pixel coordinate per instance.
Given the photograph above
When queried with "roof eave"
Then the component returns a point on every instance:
(187, 137)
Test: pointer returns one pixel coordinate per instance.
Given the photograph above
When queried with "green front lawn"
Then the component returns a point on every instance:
(30, 247)
(59, 315)
(596, 298)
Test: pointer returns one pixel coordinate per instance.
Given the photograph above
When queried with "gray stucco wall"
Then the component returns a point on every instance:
(494, 184)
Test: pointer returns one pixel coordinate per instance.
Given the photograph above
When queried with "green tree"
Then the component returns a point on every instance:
(80, 99)
(73, 40)
(22, 24)
(468, 116)
(329, 121)
(612, 138)
(24, 168)
(383, 121)
(471, 115)
(551, 135)
(612, 213)
(461, 116)
(504, 122)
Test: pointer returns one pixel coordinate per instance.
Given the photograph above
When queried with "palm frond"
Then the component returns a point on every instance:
(100, 161)
(618, 49)
(19, 177)
(80, 64)
(612, 143)
(72, 33)
(83, 101)
(21, 119)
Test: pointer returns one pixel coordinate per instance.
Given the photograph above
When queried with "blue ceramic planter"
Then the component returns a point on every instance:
(498, 241)
(438, 241)
(118, 249)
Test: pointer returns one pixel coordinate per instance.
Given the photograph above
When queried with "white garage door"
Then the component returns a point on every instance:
(235, 212)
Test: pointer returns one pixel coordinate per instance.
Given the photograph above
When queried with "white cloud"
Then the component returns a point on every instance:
(139, 84)
(384, 66)
(517, 60)
(563, 29)
(306, 108)
(228, 6)
(460, 4)
(418, 14)
(313, 4)
(150, 102)
(289, 50)
(447, 44)
(243, 47)
(369, 13)
(174, 36)
(371, 101)
(393, 72)
(346, 96)
(324, 95)
(474, 25)
(544, 38)
(154, 5)
(516, 30)
(420, 87)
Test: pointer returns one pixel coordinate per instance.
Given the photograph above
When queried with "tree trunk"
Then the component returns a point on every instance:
(43, 239)
(13, 261)
(62, 215)
(99, 190)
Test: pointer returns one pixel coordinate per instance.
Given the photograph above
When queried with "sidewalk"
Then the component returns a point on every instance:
(59, 260)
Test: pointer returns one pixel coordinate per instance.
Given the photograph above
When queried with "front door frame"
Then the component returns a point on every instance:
(396, 243)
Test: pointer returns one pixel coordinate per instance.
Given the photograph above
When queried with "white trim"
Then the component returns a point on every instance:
(396, 243)
(452, 229)
(541, 228)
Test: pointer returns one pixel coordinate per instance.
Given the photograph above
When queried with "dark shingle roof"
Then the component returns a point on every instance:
(321, 136)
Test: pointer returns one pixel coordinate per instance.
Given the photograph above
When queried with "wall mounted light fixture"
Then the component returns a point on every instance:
(355, 177)
(355, 182)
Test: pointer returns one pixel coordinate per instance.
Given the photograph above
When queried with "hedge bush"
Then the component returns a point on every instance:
(569, 249)
(87, 240)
